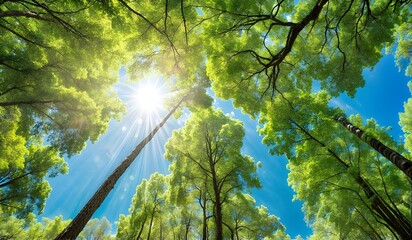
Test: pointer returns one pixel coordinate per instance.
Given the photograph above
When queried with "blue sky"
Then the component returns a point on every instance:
(382, 98)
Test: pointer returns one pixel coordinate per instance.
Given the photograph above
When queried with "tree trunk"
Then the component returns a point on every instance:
(395, 221)
(151, 221)
(187, 228)
(398, 222)
(204, 227)
(78, 223)
(217, 208)
(141, 228)
(14, 179)
(402, 163)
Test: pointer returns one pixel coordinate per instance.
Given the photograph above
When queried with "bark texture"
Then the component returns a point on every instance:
(396, 158)
(395, 221)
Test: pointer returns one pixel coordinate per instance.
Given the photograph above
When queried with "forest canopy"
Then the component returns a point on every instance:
(281, 62)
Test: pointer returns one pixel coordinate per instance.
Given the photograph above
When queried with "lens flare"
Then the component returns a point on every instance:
(149, 97)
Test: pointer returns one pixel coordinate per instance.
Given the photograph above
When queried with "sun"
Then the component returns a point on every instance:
(149, 97)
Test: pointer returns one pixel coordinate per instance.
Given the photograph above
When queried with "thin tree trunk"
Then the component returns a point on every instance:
(151, 221)
(218, 208)
(78, 223)
(15, 179)
(141, 228)
(188, 226)
(402, 163)
(217, 203)
(232, 232)
(29, 102)
(204, 227)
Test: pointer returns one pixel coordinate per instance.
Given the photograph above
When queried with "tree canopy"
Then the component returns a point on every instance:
(331, 170)
(58, 62)
(281, 62)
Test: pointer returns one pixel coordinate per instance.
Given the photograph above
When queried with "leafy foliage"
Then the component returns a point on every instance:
(59, 60)
(406, 121)
(340, 179)
(14, 228)
(207, 165)
(53, 57)
(148, 204)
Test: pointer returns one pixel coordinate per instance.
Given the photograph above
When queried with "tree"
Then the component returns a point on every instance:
(268, 47)
(24, 188)
(23, 168)
(97, 229)
(148, 205)
(191, 193)
(402, 46)
(339, 178)
(14, 228)
(53, 57)
(207, 151)
(245, 220)
(58, 62)
(153, 200)
(176, 220)
(400, 162)
(153, 215)
(78, 223)
(256, 50)
(300, 42)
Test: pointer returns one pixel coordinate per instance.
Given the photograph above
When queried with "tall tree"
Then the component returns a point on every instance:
(405, 165)
(207, 151)
(264, 48)
(23, 168)
(14, 228)
(78, 223)
(24, 189)
(97, 229)
(257, 49)
(245, 220)
(152, 203)
(57, 64)
(341, 180)
(147, 207)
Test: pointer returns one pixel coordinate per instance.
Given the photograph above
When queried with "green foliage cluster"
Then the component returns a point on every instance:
(14, 228)
(203, 196)
(328, 168)
(58, 62)
(60, 59)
